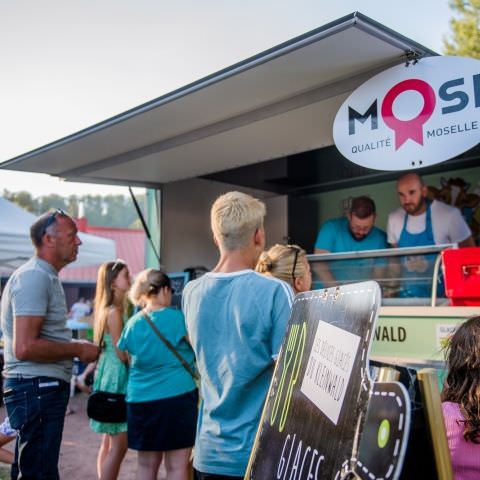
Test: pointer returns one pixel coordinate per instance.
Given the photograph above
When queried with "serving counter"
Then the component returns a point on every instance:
(416, 336)
(416, 318)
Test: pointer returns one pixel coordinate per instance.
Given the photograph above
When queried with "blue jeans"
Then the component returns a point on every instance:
(36, 408)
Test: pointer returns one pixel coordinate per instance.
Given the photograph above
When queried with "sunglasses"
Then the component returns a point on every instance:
(295, 258)
(157, 288)
(51, 219)
(118, 263)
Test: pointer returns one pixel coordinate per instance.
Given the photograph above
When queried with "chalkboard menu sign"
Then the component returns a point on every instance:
(324, 417)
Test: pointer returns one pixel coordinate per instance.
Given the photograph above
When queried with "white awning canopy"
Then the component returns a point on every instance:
(277, 103)
(16, 247)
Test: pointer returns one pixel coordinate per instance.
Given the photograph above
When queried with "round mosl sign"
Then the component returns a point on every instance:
(412, 117)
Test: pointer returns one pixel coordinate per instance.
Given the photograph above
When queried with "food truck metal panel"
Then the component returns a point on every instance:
(416, 336)
(241, 115)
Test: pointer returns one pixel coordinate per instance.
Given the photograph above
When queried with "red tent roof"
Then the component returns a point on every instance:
(130, 246)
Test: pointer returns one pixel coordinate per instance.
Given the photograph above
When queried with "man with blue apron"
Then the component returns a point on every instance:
(420, 223)
(418, 269)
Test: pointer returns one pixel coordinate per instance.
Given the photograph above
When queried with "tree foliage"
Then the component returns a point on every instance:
(465, 25)
(22, 199)
(100, 211)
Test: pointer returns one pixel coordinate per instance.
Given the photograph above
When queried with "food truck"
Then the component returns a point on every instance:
(265, 126)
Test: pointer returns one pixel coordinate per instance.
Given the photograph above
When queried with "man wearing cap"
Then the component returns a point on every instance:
(38, 347)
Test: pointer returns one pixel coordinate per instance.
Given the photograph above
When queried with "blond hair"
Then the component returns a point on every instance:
(279, 262)
(235, 217)
(105, 296)
(148, 282)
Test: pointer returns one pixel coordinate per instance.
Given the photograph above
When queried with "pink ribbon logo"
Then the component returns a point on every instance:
(405, 129)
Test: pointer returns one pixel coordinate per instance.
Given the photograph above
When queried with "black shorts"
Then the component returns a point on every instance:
(212, 476)
(162, 425)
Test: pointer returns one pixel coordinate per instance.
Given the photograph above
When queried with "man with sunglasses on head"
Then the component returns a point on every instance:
(38, 348)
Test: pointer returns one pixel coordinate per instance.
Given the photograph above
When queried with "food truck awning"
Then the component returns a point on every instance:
(277, 103)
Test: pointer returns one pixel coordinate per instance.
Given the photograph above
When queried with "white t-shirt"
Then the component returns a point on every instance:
(447, 223)
(79, 310)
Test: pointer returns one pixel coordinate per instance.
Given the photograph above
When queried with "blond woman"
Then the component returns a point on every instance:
(288, 263)
(111, 373)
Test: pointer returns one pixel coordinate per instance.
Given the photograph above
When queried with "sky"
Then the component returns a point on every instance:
(66, 65)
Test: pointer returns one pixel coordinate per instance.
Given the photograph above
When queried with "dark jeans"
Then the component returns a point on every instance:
(36, 409)
(211, 476)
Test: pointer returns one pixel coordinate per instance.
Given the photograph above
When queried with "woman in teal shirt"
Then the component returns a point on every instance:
(161, 394)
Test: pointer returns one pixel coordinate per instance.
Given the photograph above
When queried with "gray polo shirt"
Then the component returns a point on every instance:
(34, 290)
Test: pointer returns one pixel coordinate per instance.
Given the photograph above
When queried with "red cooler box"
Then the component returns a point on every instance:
(461, 272)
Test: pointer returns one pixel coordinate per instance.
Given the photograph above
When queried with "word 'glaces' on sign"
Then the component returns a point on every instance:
(410, 117)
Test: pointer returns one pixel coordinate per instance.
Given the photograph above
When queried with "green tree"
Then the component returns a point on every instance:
(136, 224)
(51, 202)
(93, 207)
(100, 211)
(110, 210)
(22, 199)
(73, 205)
(465, 25)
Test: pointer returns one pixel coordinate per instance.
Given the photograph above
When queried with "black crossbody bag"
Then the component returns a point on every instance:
(107, 407)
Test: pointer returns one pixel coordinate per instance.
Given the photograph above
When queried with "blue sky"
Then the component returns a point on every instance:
(66, 65)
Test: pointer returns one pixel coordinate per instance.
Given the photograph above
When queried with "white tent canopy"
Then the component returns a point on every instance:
(16, 246)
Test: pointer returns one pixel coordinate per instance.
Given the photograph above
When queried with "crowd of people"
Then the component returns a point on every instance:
(224, 342)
